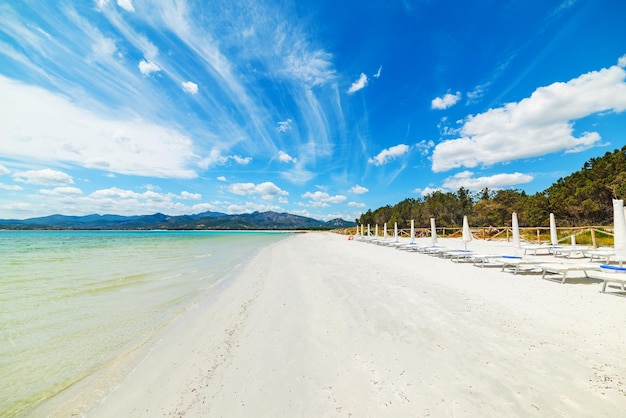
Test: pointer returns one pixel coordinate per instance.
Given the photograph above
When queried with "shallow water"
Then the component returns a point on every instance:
(71, 301)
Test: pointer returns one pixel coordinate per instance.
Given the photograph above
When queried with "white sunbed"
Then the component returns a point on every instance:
(434, 250)
(602, 254)
(534, 249)
(564, 268)
(516, 263)
(411, 246)
(610, 274)
(569, 250)
(458, 255)
(483, 260)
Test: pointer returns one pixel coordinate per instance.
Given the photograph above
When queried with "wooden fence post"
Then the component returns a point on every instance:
(593, 238)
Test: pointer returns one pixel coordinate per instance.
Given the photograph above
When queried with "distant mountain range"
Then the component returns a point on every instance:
(205, 220)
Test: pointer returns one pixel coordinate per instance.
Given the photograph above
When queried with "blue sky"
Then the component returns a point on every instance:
(318, 108)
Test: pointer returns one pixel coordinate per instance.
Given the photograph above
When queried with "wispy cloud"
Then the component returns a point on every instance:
(380, 70)
(538, 125)
(66, 132)
(284, 126)
(126, 5)
(358, 84)
(389, 154)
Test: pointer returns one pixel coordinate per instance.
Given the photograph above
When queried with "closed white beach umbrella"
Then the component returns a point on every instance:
(376, 231)
(619, 230)
(395, 231)
(467, 234)
(433, 232)
(412, 231)
(368, 230)
(515, 227)
(385, 230)
(554, 239)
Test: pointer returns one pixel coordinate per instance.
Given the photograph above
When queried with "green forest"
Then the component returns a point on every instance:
(583, 198)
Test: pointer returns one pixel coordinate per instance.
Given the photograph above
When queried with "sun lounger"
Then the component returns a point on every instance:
(412, 246)
(534, 249)
(564, 268)
(610, 274)
(600, 254)
(434, 250)
(568, 251)
(458, 255)
(484, 260)
(516, 263)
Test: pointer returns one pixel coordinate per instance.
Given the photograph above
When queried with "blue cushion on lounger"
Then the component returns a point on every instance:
(613, 269)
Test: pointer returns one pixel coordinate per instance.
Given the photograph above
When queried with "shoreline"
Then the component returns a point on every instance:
(315, 325)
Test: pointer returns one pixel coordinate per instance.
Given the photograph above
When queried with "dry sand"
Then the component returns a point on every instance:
(319, 326)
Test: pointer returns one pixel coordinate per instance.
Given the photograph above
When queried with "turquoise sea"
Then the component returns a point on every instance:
(72, 302)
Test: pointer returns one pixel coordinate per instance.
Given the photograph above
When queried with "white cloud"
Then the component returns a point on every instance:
(389, 154)
(190, 196)
(377, 75)
(45, 177)
(190, 87)
(10, 187)
(215, 157)
(359, 84)
(250, 207)
(448, 100)
(241, 160)
(286, 158)
(323, 197)
(103, 48)
(67, 132)
(266, 190)
(126, 5)
(359, 189)
(284, 126)
(148, 67)
(62, 191)
(622, 61)
(221, 178)
(312, 67)
(356, 205)
(478, 93)
(428, 190)
(465, 179)
(538, 125)
(4, 170)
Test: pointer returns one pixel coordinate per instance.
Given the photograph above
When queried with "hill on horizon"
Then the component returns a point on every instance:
(200, 221)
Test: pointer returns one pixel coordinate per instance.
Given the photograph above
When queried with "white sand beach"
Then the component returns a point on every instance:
(319, 326)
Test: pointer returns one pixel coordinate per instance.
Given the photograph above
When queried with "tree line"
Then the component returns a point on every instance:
(583, 198)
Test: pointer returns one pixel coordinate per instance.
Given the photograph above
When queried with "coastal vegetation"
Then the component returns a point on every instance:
(581, 199)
